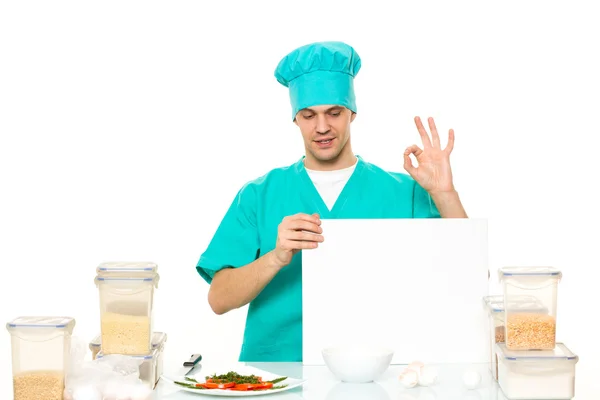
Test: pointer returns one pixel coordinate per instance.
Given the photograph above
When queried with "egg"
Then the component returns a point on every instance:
(471, 379)
(416, 366)
(428, 376)
(409, 378)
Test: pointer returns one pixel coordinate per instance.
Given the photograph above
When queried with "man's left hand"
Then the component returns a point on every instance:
(433, 172)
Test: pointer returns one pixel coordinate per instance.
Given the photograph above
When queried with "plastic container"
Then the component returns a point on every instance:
(127, 269)
(526, 329)
(148, 367)
(497, 320)
(126, 307)
(40, 356)
(158, 342)
(536, 374)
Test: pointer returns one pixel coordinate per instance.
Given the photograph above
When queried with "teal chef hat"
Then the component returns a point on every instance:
(320, 73)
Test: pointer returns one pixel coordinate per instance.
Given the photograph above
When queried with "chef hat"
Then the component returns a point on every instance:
(320, 73)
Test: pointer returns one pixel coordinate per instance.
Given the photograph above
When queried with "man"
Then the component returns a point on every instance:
(255, 255)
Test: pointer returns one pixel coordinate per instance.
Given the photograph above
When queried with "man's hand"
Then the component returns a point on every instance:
(297, 232)
(433, 172)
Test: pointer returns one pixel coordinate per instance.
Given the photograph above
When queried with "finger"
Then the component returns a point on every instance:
(408, 165)
(414, 149)
(450, 144)
(298, 236)
(422, 132)
(300, 225)
(304, 217)
(299, 245)
(434, 133)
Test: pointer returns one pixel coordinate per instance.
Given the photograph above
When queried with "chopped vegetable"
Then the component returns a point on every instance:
(233, 381)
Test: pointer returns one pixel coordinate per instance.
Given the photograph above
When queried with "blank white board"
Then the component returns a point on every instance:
(414, 285)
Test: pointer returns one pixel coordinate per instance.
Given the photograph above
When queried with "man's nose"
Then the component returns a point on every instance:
(322, 124)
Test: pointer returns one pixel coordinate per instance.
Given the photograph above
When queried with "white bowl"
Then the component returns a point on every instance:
(357, 364)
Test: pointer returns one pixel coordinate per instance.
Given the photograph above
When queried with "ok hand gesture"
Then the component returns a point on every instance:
(433, 172)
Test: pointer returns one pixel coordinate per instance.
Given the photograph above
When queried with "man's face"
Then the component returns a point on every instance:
(325, 130)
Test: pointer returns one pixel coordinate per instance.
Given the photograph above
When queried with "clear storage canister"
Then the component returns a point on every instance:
(41, 349)
(126, 307)
(158, 342)
(497, 320)
(147, 367)
(530, 329)
(537, 374)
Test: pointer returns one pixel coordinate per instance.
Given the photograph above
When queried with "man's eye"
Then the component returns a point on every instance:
(335, 114)
(308, 116)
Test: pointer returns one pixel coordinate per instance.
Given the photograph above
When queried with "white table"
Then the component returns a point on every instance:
(322, 385)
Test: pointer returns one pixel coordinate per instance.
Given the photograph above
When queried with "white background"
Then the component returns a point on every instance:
(128, 126)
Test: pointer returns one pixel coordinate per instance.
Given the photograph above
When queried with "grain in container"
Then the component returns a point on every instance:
(158, 342)
(147, 369)
(536, 374)
(530, 329)
(41, 348)
(126, 307)
(496, 320)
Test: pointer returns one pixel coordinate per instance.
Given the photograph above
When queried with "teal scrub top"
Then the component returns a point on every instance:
(273, 331)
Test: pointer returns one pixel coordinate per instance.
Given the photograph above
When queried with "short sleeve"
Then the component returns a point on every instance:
(423, 204)
(236, 241)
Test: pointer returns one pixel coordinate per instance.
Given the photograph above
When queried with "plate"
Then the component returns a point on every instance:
(290, 383)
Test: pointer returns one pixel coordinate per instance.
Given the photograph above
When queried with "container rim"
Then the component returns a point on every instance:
(153, 354)
(529, 271)
(127, 266)
(559, 353)
(41, 322)
(158, 339)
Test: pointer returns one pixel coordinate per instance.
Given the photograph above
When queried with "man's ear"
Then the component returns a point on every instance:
(352, 116)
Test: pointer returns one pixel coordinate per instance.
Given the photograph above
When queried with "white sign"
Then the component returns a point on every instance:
(414, 285)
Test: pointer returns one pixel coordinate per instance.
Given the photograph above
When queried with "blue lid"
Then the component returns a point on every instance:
(67, 323)
(559, 353)
(141, 357)
(529, 271)
(130, 267)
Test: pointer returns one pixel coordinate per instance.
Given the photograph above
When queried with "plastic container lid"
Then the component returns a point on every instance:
(495, 304)
(127, 267)
(158, 338)
(144, 357)
(559, 353)
(62, 323)
(548, 272)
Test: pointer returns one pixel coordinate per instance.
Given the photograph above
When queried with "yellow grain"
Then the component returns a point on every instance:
(39, 385)
(125, 334)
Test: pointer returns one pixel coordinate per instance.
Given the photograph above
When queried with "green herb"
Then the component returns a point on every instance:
(187, 378)
(274, 381)
(278, 387)
(233, 377)
(189, 385)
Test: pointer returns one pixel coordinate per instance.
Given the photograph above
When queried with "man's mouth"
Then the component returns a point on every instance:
(325, 143)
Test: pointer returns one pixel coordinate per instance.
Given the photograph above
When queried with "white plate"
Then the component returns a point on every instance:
(267, 376)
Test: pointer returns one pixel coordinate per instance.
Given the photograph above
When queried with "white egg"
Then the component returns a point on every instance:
(471, 379)
(416, 366)
(428, 376)
(409, 378)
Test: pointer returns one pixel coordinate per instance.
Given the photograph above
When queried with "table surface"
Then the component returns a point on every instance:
(322, 385)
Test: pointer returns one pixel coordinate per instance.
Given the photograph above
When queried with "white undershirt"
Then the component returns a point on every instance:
(330, 184)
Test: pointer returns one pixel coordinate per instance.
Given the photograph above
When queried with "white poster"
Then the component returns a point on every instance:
(413, 285)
